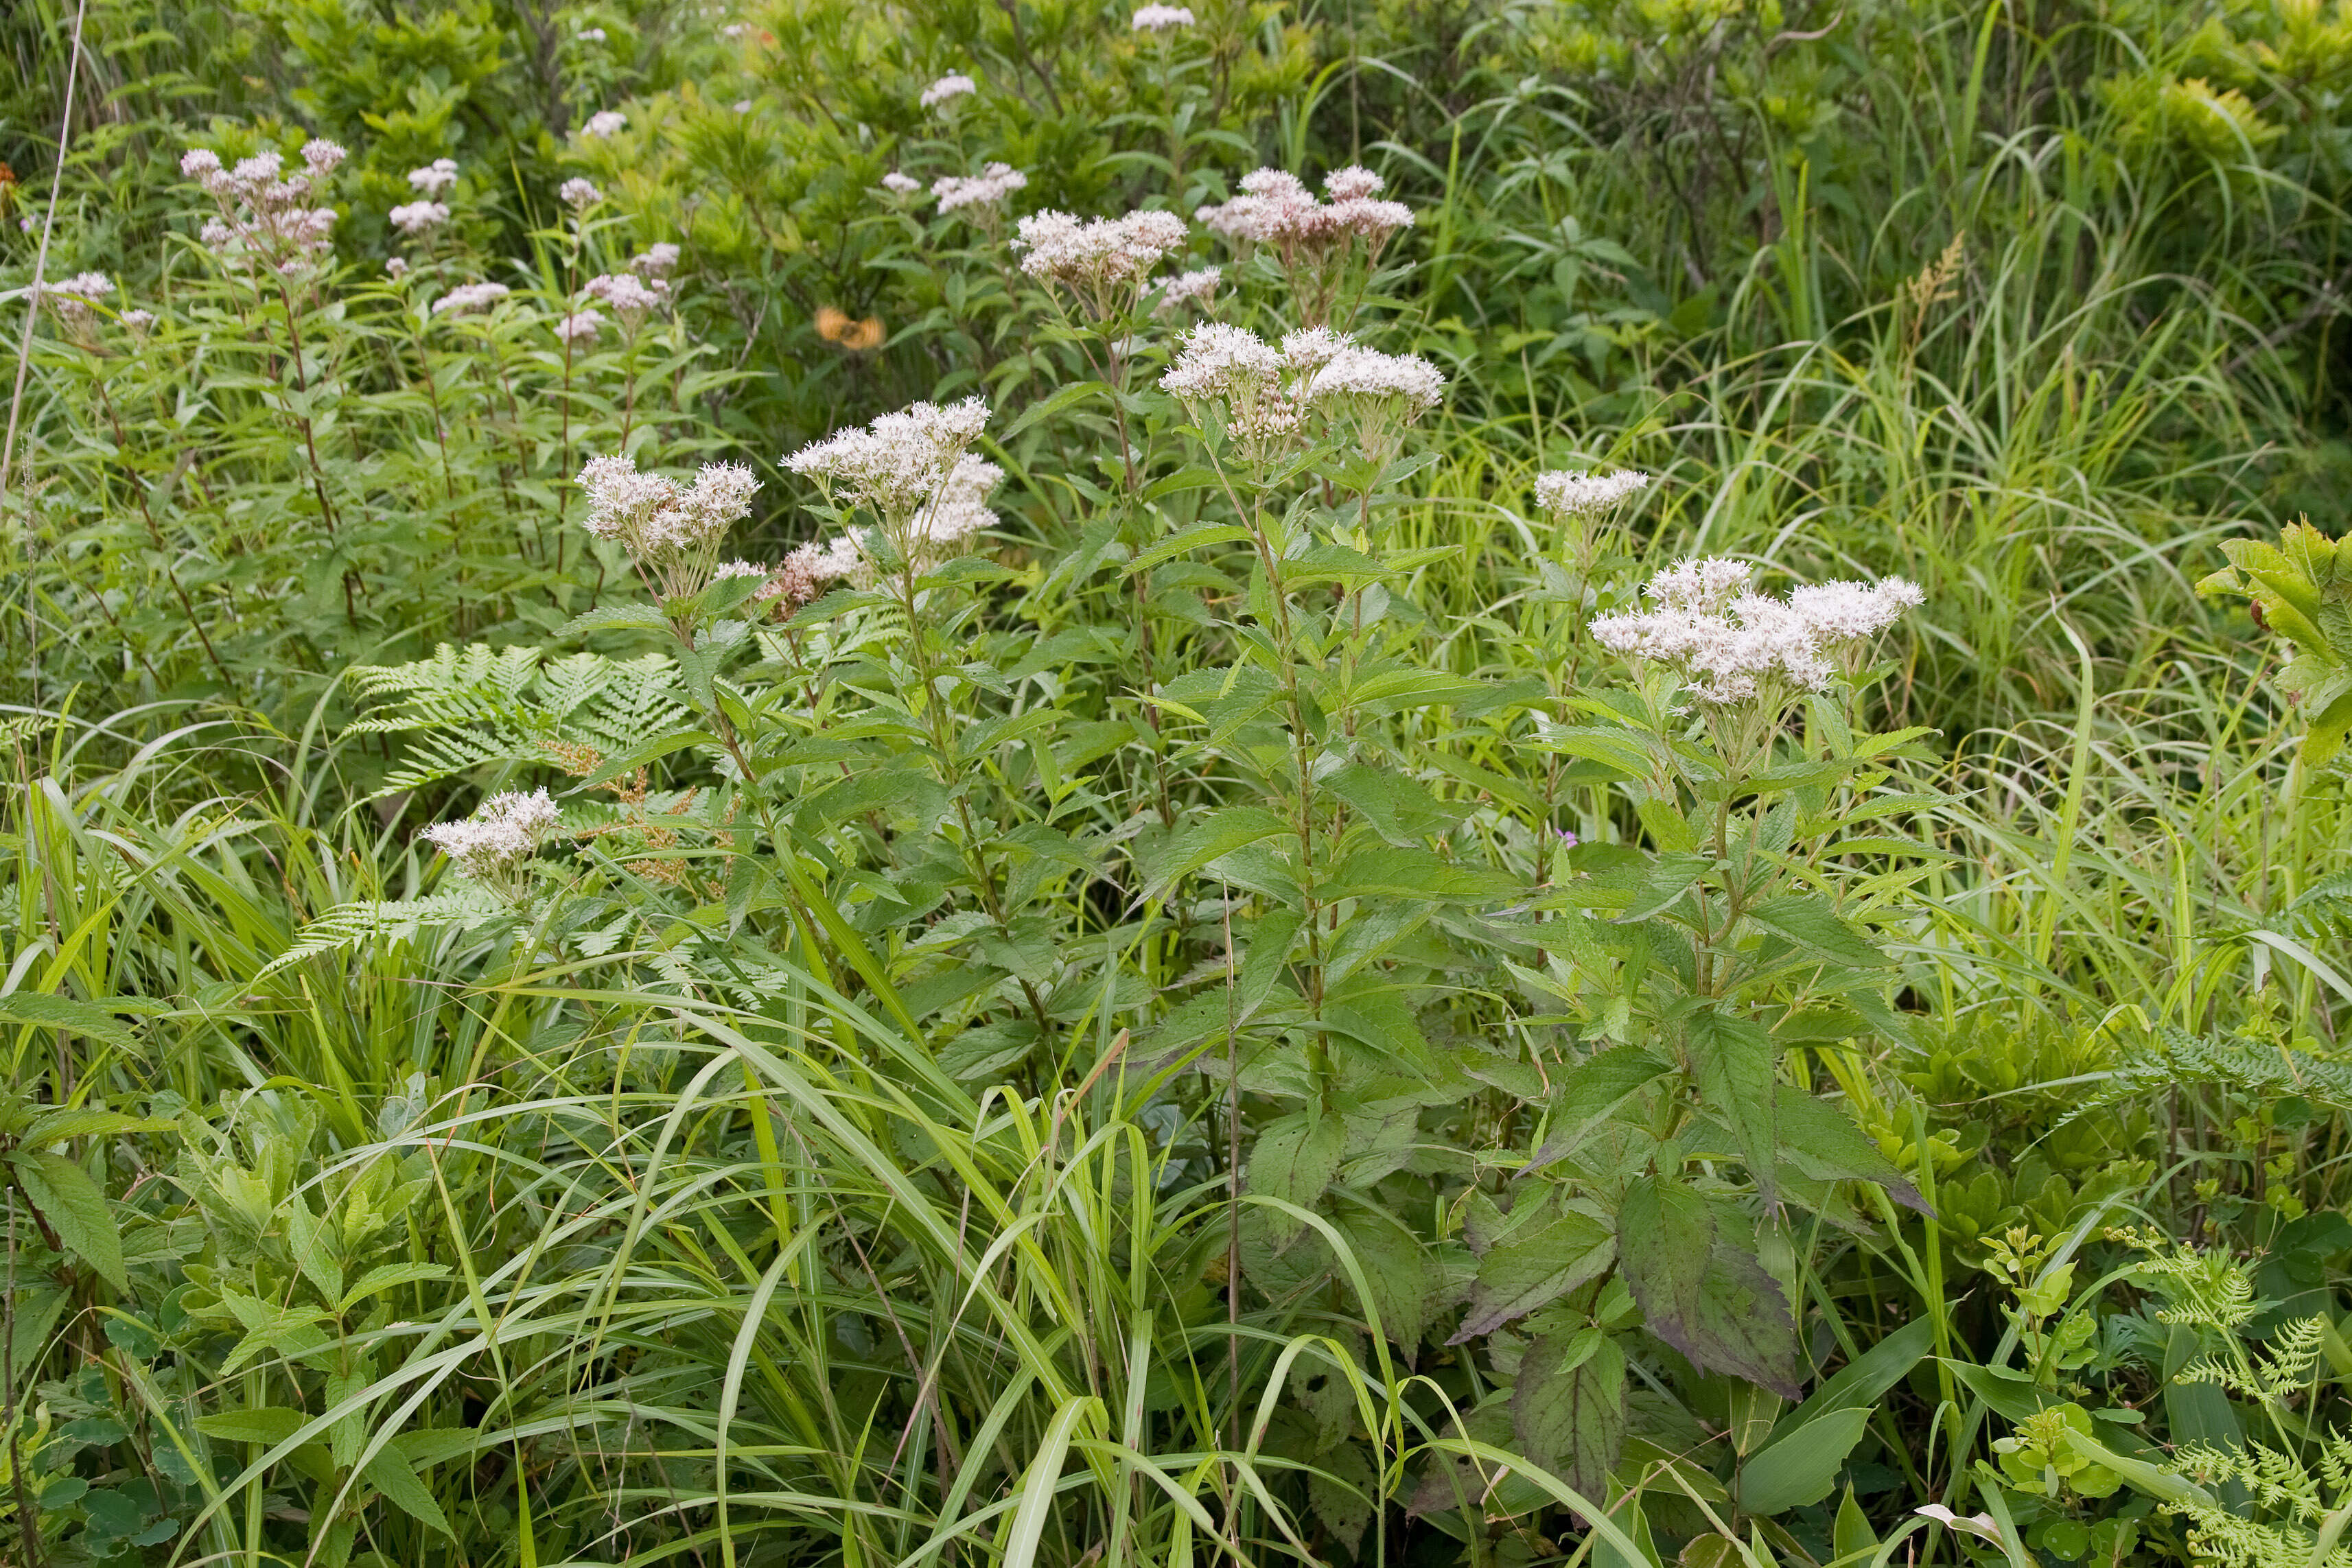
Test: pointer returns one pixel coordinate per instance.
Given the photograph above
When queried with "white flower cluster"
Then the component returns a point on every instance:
(1194, 288)
(434, 180)
(416, 218)
(1354, 372)
(1262, 391)
(71, 300)
(666, 529)
(1581, 495)
(1731, 645)
(578, 193)
(991, 185)
(266, 213)
(912, 469)
(897, 465)
(492, 844)
(140, 322)
(1098, 260)
(948, 88)
(899, 185)
(469, 298)
(605, 123)
(1160, 18)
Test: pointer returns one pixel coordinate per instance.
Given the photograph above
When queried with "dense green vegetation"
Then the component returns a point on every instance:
(1195, 940)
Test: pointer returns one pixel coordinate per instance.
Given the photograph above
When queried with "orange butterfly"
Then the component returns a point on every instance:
(837, 328)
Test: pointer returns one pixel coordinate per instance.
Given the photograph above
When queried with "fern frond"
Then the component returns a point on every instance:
(471, 708)
(2249, 1067)
(351, 925)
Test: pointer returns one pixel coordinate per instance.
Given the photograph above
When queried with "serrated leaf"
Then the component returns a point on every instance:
(390, 1474)
(1821, 1140)
(1294, 1159)
(1589, 1094)
(1523, 1272)
(1199, 536)
(95, 1020)
(65, 1195)
(1568, 1407)
(1736, 1062)
(1669, 876)
(1807, 920)
(1224, 831)
(1711, 1302)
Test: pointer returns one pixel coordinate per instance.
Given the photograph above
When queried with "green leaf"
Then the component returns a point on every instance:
(390, 1473)
(1711, 1302)
(1736, 1062)
(615, 616)
(95, 1020)
(270, 1425)
(75, 1208)
(1075, 392)
(1568, 1407)
(64, 1126)
(1851, 1536)
(1391, 872)
(1522, 1272)
(1807, 920)
(1589, 1094)
(1224, 831)
(1821, 1140)
(1801, 1467)
(1669, 877)
(1294, 1159)
(1864, 1379)
(1199, 536)
(1399, 808)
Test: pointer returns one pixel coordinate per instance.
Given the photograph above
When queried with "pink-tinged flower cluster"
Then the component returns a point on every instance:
(627, 296)
(1262, 393)
(1581, 495)
(467, 299)
(899, 185)
(656, 260)
(986, 189)
(1195, 288)
(266, 217)
(493, 844)
(73, 301)
(1161, 18)
(578, 193)
(583, 326)
(436, 180)
(1731, 646)
(1314, 241)
(1103, 261)
(139, 322)
(948, 88)
(418, 218)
